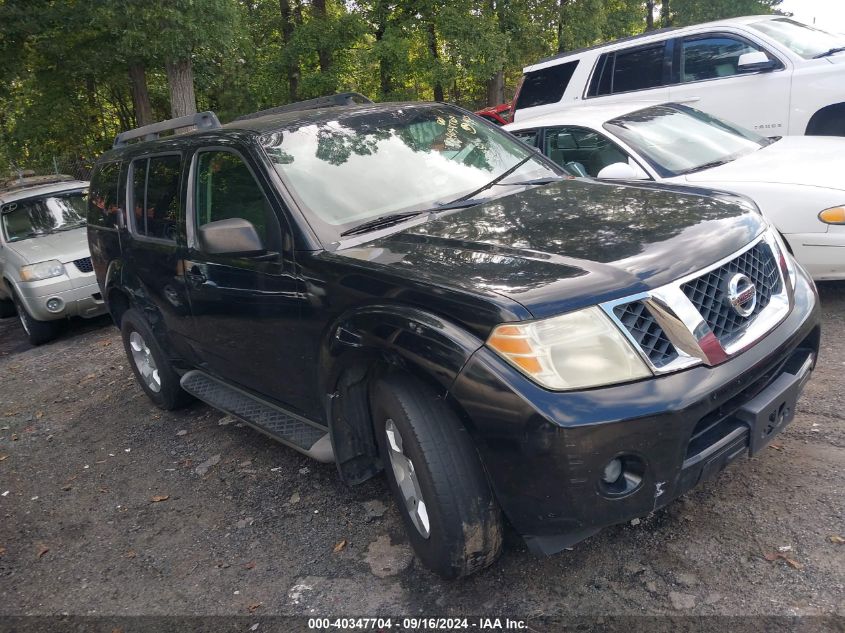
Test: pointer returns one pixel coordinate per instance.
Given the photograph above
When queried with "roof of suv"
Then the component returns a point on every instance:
(272, 122)
(656, 34)
(41, 190)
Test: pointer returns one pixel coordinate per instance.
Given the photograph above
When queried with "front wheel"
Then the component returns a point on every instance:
(450, 515)
(149, 363)
(38, 332)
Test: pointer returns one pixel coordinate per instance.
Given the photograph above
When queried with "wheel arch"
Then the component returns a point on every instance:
(362, 345)
(818, 123)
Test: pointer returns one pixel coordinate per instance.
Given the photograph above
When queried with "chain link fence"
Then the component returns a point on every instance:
(76, 167)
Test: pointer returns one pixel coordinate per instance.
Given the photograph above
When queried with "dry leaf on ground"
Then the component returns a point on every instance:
(341, 544)
(43, 549)
(158, 498)
(773, 556)
(835, 538)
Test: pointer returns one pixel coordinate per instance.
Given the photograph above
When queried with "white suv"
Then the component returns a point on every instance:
(768, 73)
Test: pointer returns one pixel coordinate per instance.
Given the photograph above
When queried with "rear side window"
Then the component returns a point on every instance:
(155, 196)
(628, 70)
(712, 57)
(544, 86)
(226, 189)
(103, 200)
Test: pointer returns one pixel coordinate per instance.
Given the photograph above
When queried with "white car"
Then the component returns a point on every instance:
(798, 182)
(768, 73)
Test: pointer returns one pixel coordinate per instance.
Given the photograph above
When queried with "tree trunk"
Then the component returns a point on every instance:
(665, 16)
(292, 67)
(561, 43)
(649, 15)
(140, 94)
(496, 88)
(180, 80)
(385, 77)
(323, 54)
(435, 56)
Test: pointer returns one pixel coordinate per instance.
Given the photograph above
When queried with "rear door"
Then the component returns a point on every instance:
(246, 309)
(640, 72)
(153, 253)
(707, 77)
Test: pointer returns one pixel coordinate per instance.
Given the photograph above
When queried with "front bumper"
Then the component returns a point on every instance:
(79, 296)
(545, 452)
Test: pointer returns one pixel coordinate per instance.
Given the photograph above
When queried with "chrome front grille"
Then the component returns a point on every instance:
(646, 332)
(707, 292)
(691, 321)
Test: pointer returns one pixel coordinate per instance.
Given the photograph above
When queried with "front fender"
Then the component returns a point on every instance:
(377, 337)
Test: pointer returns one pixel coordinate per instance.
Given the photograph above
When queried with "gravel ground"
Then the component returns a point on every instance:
(112, 507)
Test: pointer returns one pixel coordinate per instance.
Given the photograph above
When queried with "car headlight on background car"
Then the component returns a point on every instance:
(571, 351)
(42, 270)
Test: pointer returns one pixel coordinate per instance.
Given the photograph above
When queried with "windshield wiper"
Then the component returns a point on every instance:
(380, 222)
(829, 52)
(536, 181)
(714, 163)
(498, 178)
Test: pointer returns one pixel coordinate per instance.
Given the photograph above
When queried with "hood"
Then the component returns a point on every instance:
(817, 161)
(569, 244)
(66, 246)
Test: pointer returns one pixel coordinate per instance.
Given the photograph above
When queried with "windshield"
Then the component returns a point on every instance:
(25, 219)
(805, 40)
(368, 164)
(677, 139)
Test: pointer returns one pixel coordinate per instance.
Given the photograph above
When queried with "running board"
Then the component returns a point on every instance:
(288, 428)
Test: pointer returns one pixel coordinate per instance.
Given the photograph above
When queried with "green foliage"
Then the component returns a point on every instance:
(64, 84)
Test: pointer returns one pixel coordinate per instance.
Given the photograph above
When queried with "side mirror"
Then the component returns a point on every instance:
(234, 236)
(621, 171)
(755, 61)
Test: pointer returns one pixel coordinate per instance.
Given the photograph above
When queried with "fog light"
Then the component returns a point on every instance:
(54, 304)
(612, 471)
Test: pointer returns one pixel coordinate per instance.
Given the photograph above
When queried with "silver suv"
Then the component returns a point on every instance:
(45, 266)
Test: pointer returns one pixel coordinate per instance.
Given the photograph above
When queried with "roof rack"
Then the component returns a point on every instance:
(201, 120)
(340, 99)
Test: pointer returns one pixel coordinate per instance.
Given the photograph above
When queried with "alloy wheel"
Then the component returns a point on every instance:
(406, 478)
(142, 356)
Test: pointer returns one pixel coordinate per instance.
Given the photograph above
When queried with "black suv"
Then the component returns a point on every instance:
(407, 288)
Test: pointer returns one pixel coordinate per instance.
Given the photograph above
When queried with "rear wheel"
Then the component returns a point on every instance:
(450, 515)
(38, 332)
(149, 363)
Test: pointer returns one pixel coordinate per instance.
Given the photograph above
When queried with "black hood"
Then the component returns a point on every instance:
(570, 244)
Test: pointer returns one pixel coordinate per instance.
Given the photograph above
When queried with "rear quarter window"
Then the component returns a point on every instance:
(544, 86)
(103, 200)
(629, 70)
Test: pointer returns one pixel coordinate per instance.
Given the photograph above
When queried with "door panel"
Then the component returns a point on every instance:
(154, 254)
(246, 309)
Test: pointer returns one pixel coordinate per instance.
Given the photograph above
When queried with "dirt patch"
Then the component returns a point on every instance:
(83, 453)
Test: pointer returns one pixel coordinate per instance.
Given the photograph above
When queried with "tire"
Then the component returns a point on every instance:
(149, 363)
(38, 332)
(464, 522)
(7, 308)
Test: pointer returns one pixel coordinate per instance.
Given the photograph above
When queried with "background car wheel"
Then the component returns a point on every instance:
(149, 363)
(7, 308)
(38, 332)
(452, 520)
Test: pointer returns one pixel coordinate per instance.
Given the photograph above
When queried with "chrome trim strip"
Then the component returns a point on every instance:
(684, 325)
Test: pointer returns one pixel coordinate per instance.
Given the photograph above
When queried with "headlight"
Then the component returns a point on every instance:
(42, 270)
(572, 351)
(786, 260)
(834, 215)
